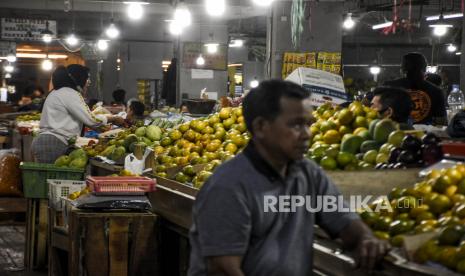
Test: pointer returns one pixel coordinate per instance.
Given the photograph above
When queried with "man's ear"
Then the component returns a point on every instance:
(389, 112)
(259, 127)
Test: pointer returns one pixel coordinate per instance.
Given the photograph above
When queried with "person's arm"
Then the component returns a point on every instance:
(369, 250)
(76, 106)
(225, 266)
(223, 221)
(349, 227)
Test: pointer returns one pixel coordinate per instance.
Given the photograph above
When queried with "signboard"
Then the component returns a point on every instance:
(216, 61)
(202, 74)
(324, 86)
(25, 29)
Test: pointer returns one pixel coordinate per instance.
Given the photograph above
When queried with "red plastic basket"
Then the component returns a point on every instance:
(453, 148)
(120, 185)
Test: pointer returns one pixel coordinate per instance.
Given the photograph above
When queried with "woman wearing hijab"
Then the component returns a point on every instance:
(64, 113)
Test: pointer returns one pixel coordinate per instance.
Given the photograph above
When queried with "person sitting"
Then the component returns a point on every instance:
(119, 96)
(32, 99)
(136, 111)
(393, 103)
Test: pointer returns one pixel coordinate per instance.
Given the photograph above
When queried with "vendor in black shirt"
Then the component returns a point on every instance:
(429, 106)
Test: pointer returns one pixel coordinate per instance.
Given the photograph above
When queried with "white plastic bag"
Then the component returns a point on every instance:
(134, 165)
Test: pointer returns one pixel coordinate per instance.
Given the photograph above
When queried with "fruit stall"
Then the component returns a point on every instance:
(363, 155)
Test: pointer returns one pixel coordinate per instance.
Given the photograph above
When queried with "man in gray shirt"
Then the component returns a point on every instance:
(237, 230)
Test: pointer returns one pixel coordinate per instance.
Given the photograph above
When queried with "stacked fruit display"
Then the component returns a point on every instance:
(412, 151)
(125, 142)
(340, 134)
(28, 117)
(354, 138)
(77, 159)
(210, 141)
(435, 204)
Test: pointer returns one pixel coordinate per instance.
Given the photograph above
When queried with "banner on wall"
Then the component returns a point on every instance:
(325, 87)
(216, 61)
(25, 29)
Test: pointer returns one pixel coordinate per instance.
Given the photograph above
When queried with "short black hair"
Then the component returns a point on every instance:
(73, 76)
(28, 91)
(396, 98)
(434, 79)
(264, 100)
(91, 103)
(119, 95)
(414, 63)
(137, 108)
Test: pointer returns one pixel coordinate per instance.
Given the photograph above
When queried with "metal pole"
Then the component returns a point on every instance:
(177, 54)
(462, 57)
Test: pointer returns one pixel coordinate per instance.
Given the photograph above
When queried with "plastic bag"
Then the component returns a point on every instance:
(10, 173)
(93, 202)
(456, 128)
(134, 165)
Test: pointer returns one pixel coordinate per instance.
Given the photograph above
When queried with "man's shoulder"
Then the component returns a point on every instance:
(232, 170)
(396, 82)
(431, 87)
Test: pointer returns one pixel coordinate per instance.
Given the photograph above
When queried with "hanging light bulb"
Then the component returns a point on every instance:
(72, 40)
(47, 35)
(215, 7)
(182, 16)
(375, 70)
(112, 32)
(254, 83)
(451, 48)
(212, 48)
(7, 76)
(9, 68)
(200, 60)
(11, 57)
(175, 28)
(102, 44)
(349, 23)
(263, 2)
(135, 10)
(47, 38)
(440, 28)
(47, 64)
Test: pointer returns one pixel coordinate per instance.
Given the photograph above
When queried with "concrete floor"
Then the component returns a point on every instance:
(12, 252)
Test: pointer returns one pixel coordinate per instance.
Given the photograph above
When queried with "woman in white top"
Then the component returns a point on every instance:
(64, 113)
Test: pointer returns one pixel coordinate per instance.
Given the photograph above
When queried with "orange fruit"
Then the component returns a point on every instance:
(345, 116)
(454, 175)
(225, 113)
(332, 137)
(442, 183)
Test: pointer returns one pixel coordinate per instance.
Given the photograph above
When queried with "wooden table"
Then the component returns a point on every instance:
(105, 243)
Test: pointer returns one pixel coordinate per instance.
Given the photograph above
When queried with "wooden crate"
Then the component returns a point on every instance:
(106, 243)
(35, 256)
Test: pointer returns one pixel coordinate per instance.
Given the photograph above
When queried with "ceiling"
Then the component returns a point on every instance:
(236, 8)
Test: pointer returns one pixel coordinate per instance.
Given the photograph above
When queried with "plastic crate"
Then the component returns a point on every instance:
(120, 185)
(35, 177)
(62, 188)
